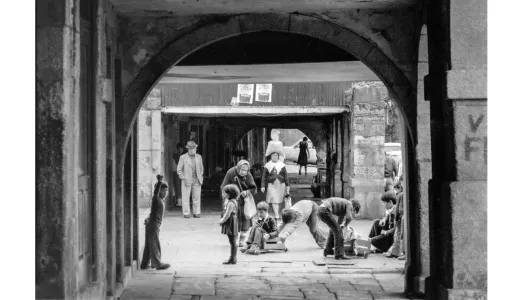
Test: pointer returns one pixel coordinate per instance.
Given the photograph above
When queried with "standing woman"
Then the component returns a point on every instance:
(240, 174)
(303, 156)
(275, 174)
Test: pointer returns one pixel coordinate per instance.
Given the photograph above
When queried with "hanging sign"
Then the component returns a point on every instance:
(245, 93)
(263, 92)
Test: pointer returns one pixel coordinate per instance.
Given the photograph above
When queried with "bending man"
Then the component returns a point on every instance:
(345, 210)
(304, 211)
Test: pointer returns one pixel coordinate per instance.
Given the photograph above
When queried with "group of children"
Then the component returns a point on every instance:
(386, 234)
(337, 213)
(304, 211)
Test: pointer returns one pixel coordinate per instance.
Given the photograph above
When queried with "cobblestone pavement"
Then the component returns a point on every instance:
(196, 249)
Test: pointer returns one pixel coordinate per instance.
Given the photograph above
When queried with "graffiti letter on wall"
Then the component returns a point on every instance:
(468, 146)
(474, 125)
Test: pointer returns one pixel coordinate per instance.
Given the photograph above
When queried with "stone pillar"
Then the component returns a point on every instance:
(57, 88)
(424, 173)
(346, 165)
(134, 200)
(128, 204)
(457, 84)
(149, 148)
(368, 129)
(338, 184)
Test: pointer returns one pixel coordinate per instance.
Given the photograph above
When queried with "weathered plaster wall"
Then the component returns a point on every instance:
(57, 83)
(368, 119)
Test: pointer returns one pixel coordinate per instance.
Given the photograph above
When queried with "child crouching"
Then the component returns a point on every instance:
(229, 220)
(264, 229)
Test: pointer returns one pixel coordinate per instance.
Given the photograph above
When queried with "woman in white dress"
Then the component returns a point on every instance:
(275, 176)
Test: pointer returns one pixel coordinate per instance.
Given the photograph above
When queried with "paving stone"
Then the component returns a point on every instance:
(338, 287)
(388, 296)
(180, 297)
(320, 296)
(315, 277)
(367, 287)
(137, 293)
(281, 298)
(225, 293)
(207, 280)
(237, 287)
(315, 288)
(229, 298)
(284, 293)
(192, 274)
(355, 297)
(286, 280)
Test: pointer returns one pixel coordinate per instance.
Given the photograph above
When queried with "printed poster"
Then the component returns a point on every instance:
(245, 93)
(263, 92)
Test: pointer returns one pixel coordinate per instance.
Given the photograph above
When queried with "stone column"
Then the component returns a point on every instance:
(368, 147)
(57, 91)
(149, 148)
(424, 173)
(134, 200)
(458, 191)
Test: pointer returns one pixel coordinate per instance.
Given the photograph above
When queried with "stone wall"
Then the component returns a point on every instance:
(368, 130)
(150, 147)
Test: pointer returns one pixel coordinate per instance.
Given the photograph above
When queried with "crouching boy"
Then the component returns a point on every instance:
(264, 229)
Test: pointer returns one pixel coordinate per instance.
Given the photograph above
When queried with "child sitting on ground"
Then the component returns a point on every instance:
(264, 229)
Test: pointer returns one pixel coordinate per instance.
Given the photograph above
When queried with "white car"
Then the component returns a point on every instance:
(291, 152)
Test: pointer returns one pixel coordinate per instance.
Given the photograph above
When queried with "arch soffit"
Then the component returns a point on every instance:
(229, 26)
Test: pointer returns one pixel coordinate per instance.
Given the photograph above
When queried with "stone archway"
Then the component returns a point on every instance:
(390, 74)
(401, 87)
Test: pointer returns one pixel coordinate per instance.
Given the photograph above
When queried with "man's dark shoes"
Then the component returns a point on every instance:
(197, 216)
(145, 268)
(164, 267)
(328, 252)
(231, 261)
(186, 216)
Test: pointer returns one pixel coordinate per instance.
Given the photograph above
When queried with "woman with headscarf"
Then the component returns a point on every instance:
(275, 175)
(240, 176)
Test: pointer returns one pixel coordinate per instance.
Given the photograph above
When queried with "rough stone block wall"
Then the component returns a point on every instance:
(150, 147)
(368, 127)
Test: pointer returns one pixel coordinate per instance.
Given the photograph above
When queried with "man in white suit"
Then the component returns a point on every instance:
(190, 171)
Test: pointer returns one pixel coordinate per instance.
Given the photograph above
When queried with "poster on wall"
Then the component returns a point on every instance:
(245, 93)
(263, 92)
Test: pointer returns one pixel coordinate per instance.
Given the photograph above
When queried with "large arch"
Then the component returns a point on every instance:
(401, 87)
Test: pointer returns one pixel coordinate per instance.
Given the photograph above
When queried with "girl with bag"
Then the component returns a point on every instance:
(229, 221)
(240, 176)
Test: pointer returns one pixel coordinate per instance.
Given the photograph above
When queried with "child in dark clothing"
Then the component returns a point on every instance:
(229, 221)
(264, 229)
(152, 249)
